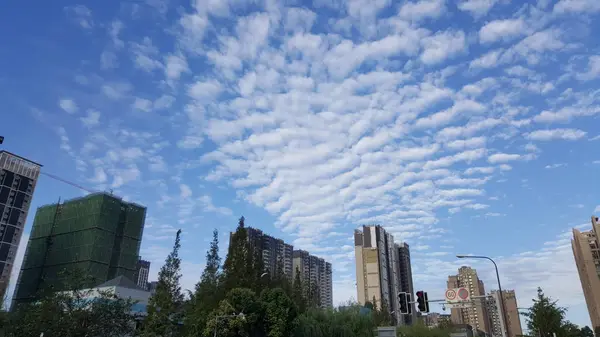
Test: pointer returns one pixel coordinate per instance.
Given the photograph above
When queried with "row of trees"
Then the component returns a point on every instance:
(235, 298)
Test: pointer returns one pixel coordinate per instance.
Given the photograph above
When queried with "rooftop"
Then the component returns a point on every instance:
(22, 158)
(120, 281)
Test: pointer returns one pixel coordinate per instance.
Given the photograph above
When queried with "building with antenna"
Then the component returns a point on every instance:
(99, 234)
(18, 178)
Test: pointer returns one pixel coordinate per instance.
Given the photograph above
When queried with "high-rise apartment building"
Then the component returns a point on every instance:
(18, 177)
(497, 325)
(406, 279)
(475, 315)
(315, 271)
(99, 234)
(382, 271)
(277, 255)
(141, 274)
(586, 250)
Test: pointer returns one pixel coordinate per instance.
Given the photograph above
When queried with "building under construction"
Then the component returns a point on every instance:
(98, 234)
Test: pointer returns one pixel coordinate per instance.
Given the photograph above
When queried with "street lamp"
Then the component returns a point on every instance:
(263, 275)
(499, 285)
(240, 316)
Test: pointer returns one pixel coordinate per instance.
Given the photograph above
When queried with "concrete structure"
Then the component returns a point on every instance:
(141, 273)
(315, 271)
(405, 279)
(99, 234)
(382, 271)
(434, 319)
(586, 250)
(277, 255)
(476, 315)
(497, 325)
(152, 286)
(18, 177)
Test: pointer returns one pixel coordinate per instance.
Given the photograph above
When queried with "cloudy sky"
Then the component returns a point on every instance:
(462, 126)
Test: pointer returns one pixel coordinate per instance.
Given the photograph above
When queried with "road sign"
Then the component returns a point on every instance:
(455, 295)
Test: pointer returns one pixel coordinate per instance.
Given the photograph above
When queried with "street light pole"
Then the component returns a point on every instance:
(502, 307)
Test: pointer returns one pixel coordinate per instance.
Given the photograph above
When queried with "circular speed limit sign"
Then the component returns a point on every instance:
(450, 294)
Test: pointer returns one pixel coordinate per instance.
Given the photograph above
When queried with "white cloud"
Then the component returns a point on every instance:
(501, 30)
(175, 65)
(82, 15)
(461, 144)
(422, 9)
(576, 6)
(597, 209)
(205, 90)
(441, 46)
(593, 70)
(116, 90)
(557, 165)
(68, 105)
(503, 158)
(477, 8)
(185, 191)
(488, 60)
(552, 134)
(91, 119)
(142, 104)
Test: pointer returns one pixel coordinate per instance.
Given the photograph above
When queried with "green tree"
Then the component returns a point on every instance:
(239, 314)
(298, 292)
(279, 312)
(545, 317)
(72, 313)
(334, 323)
(166, 304)
(382, 316)
(237, 269)
(569, 330)
(207, 294)
(586, 332)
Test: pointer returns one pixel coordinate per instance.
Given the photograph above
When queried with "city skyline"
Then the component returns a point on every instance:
(461, 127)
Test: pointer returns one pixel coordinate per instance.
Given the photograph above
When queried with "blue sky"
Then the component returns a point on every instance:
(466, 126)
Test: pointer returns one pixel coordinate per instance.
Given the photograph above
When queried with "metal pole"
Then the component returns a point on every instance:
(502, 307)
(216, 325)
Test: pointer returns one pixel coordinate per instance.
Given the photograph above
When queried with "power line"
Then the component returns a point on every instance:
(67, 182)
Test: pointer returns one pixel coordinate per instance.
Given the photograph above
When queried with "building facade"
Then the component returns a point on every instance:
(277, 255)
(18, 177)
(476, 314)
(406, 279)
(497, 326)
(586, 250)
(382, 271)
(99, 234)
(315, 271)
(141, 273)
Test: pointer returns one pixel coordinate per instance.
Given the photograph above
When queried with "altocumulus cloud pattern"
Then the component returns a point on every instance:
(467, 126)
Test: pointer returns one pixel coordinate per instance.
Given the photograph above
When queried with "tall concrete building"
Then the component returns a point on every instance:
(315, 271)
(497, 325)
(381, 273)
(18, 177)
(141, 273)
(277, 255)
(586, 250)
(406, 279)
(476, 315)
(99, 234)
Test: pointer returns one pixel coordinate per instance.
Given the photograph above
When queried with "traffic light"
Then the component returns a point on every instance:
(408, 301)
(422, 301)
(403, 303)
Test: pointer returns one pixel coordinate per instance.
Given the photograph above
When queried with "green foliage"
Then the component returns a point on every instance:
(298, 292)
(226, 317)
(238, 268)
(72, 313)
(207, 293)
(165, 305)
(545, 317)
(421, 330)
(334, 323)
(586, 332)
(279, 312)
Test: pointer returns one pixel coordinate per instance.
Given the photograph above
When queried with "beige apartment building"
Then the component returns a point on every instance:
(382, 271)
(586, 250)
(476, 315)
(512, 314)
